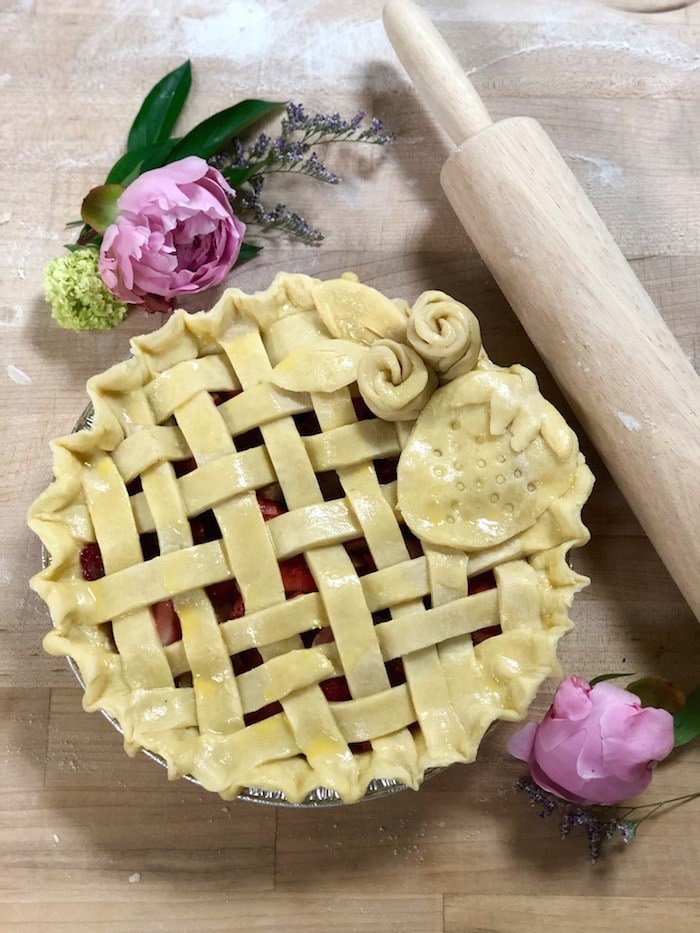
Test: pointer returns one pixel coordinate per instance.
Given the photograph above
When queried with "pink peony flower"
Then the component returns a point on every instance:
(596, 745)
(176, 232)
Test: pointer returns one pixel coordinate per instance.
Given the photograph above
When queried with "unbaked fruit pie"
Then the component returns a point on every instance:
(314, 538)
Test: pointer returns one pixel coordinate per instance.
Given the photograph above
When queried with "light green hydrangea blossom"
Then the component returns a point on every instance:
(78, 297)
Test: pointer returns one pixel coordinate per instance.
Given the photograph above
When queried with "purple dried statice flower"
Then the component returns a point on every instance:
(295, 119)
(597, 821)
(315, 169)
(259, 147)
(331, 127)
(291, 152)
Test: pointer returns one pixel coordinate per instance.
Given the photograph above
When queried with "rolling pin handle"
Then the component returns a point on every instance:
(434, 70)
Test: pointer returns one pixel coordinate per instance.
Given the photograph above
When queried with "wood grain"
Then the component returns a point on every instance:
(92, 839)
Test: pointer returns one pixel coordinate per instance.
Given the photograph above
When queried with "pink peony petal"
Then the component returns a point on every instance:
(520, 744)
(560, 761)
(572, 700)
(630, 746)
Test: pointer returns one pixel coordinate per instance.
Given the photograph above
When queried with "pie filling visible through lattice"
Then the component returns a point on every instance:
(313, 538)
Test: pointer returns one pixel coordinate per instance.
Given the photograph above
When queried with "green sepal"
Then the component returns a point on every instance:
(236, 176)
(205, 139)
(603, 677)
(248, 251)
(658, 693)
(72, 247)
(686, 721)
(161, 108)
(99, 208)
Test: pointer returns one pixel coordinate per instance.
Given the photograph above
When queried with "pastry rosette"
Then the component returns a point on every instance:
(445, 333)
(394, 381)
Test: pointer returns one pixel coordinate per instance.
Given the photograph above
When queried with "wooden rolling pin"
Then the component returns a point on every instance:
(632, 387)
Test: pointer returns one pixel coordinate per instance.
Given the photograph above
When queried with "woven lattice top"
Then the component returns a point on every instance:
(283, 557)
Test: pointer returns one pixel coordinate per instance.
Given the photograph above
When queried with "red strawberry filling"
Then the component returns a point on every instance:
(485, 633)
(386, 469)
(296, 577)
(361, 410)
(182, 467)
(335, 689)
(91, 566)
(269, 508)
(480, 584)
(263, 713)
(167, 621)
(360, 556)
(223, 396)
(307, 424)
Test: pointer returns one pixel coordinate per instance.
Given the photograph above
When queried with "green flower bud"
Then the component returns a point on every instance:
(78, 297)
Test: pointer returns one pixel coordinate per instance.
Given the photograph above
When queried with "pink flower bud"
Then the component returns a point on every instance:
(596, 745)
(175, 233)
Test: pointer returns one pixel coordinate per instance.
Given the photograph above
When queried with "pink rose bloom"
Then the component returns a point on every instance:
(176, 232)
(596, 744)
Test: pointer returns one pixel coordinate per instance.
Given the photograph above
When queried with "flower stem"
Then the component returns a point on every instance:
(655, 807)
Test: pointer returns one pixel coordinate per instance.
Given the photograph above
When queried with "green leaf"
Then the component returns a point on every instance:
(160, 109)
(661, 694)
(99, 208)
(211, 134)
(248, 251)
(88, 236)
(236, 176)
(72, 247)
(137, 161)
(686, 722)
(601, 677)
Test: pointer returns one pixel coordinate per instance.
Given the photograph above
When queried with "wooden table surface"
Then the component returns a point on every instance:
(90, 837)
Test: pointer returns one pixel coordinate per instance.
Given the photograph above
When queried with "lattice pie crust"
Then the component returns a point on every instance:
(328, 383)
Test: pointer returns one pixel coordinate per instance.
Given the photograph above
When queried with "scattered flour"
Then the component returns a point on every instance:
(522, 11)
(281, 44)
(19, 376)
(629, 422)
(6, 574)
(608, 173)
(640, 45)
(102, 158)
(285, 45)
(135, 878)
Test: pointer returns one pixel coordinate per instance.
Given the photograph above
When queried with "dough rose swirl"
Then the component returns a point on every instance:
(445, 333)
(394, 381)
